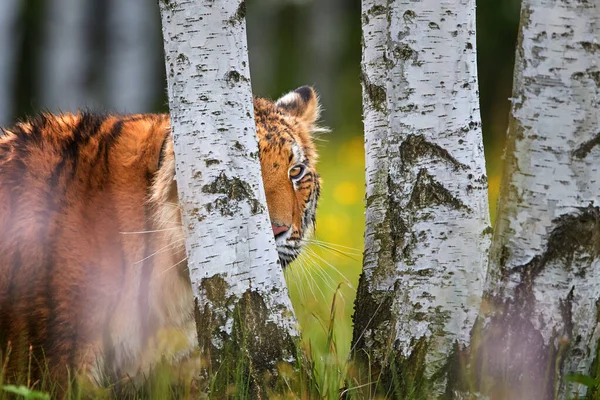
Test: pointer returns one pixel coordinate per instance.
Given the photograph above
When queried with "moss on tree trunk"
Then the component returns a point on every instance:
(242, 360)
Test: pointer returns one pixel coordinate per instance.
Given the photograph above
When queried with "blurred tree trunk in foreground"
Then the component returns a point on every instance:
(324, 47)
(243, 313)
(131, 74)
(541, 310)
(65, 68)
(9, 44)
(427, 233)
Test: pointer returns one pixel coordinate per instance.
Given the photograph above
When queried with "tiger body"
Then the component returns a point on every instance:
(92, 257)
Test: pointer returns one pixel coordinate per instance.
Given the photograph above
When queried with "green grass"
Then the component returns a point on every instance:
(322, 285)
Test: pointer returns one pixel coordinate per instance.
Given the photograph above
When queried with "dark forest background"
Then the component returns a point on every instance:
(61, 55)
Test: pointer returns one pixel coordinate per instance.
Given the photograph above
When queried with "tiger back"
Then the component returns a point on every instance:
(92, 257)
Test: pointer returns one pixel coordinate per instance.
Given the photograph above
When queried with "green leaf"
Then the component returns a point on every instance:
(26, 392)
(583, 379)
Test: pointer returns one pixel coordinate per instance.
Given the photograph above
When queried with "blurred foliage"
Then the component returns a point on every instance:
(317, 42)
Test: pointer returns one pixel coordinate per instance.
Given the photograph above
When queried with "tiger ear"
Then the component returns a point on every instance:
(302, 103)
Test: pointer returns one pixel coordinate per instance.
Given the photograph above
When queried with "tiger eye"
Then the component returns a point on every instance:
(296, 171)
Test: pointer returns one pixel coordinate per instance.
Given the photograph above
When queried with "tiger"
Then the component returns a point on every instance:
(91, 237)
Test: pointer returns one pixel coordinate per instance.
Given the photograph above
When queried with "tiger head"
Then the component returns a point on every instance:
(288, 162)
(288, 157)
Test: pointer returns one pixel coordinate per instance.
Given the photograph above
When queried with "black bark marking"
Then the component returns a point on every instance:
(182, 59)
(377, 10)
(533, 367)
(572, 233)
(397, 229)
(169, 5)
(375, 93)
(238, 146)
(234, 76)
(590, 74)
(405, 52)
(234, 191)
(590, 47)
(409, 16)
(239, 15)
(416, 146)
(427, 192)
(584, 149)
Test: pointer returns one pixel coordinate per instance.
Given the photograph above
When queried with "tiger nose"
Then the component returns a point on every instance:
(279, 229)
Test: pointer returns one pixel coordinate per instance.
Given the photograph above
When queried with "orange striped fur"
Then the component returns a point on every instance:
(77, 283)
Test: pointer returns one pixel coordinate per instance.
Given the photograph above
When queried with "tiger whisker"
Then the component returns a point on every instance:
(315, 267)
(313, 240)
(333, 267)
(307, 274)
(170, 246)
(151, 231)
(321, 271)
(296, 279)
(328, 279)
(299, 285)
(173, 266)
(312, 282)
(335, 251)
(164, 221)
(168, 203)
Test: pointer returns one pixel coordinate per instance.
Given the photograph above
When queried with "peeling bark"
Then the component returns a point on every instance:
(427, 232)
(243, 313)
(540, 315)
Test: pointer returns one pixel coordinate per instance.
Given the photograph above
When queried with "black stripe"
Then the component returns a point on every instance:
(106, 145)
(38, 127)
(163, 149)
(306, 178)
(87, 127)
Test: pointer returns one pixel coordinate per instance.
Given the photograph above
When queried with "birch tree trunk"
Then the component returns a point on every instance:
(65, 70)
(541, 313)
(243, 313)
(131, 75)
(9, 44)
(427, 232)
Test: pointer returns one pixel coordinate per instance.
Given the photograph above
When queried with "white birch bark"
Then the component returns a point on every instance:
(132, 75)
(230, 246)
(64, 70)
(541, 314)
(427, 234)
(9, 43)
